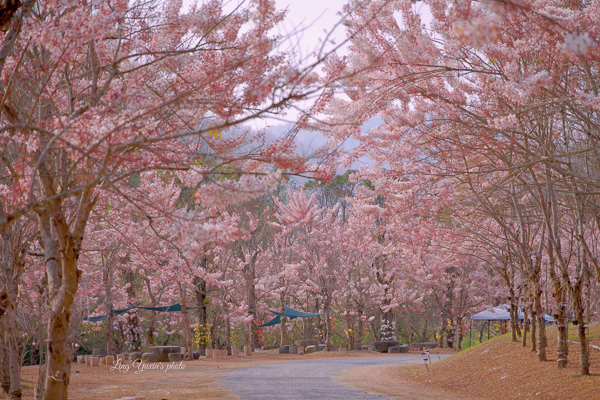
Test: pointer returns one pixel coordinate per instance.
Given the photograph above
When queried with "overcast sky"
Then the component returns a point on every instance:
(314, 19)
(305, 27)
(307, 24)
(317, 17)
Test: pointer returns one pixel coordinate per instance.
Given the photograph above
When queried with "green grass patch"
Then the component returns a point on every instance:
(592, 332)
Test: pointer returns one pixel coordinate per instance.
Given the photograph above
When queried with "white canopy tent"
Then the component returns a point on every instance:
(502, 313)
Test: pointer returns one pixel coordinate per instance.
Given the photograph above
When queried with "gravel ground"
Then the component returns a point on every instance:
(311, 379)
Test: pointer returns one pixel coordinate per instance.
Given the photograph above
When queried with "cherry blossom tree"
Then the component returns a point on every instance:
(487, 97)
(97, 93)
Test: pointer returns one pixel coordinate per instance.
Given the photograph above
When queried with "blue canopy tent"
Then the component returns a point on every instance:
(103, 317)
(288, 312)
(274, 321)
(173, 308)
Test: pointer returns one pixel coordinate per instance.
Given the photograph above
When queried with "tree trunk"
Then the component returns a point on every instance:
(9, 319)
(283, 327)
(200, 290)
(514, 315)
(186, 322)
(450, 330)
(585, 348)
(562, 352)
(61, 240)
(63, 275)
(533, 330)
(441, 333)
(58, 366)
(327, 323)
(319, 322)
(514, 310)
(542, 339)
(108, 284)
(577, 294)
(227, 336)
(251, 295)
(42, 362)
(151, 328)
(579, 309)
(283, 331)
(4, 370)
(133, 328)
(349, 334)
(253, 323)
(375, 331)
(153, 303)
(360, 325)
(526, 316)
(58, 351)
(14, 362)
(450, 339)
(459, 331)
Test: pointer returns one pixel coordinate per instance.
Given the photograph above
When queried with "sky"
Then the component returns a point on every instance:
(315, 19)
(306, 26)
(318, 18)
(310, 22)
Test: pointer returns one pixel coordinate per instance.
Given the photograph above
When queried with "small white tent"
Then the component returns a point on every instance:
(502, 313)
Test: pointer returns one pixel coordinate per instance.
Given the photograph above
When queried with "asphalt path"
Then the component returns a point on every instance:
(311, 379)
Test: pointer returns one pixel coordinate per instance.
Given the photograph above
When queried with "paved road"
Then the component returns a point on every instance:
(311, 379)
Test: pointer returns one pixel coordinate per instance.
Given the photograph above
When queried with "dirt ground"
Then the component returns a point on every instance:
(199, 379)
(499, 369)
(384, 380)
